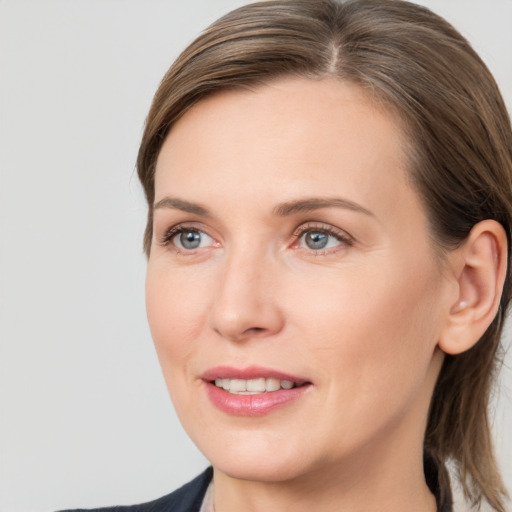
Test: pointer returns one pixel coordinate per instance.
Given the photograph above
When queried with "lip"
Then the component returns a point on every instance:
(252, 405)
(251, 372)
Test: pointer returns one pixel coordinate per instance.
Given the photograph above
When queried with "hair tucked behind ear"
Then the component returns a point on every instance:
(460, 153)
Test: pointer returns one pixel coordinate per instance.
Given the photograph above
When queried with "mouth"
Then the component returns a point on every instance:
(253, 391)
(254, 386)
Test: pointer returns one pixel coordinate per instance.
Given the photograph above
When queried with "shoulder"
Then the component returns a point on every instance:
(187, 498)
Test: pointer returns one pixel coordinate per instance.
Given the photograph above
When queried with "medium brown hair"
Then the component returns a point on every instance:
(418, 65)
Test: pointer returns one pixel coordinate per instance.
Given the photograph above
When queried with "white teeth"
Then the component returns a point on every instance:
(272, 384)
(237, 385)
(256, 385)
(253, 386)
(286, 384)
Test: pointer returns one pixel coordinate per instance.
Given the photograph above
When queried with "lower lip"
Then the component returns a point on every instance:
(253, 405)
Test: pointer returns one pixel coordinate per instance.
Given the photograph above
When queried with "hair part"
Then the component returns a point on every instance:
(420, 67)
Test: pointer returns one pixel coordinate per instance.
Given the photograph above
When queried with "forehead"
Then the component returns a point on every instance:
(289, 133)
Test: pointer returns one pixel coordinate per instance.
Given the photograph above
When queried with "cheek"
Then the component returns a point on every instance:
(373, 339)
(176, 308)
(369, 331)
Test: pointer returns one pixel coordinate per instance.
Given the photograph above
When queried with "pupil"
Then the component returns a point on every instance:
(190, 239)
(316, 240)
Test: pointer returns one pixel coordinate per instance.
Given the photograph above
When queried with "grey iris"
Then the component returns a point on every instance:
(316, 240)
(190, 239)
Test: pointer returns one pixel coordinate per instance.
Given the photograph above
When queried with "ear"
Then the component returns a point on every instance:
(481, 267)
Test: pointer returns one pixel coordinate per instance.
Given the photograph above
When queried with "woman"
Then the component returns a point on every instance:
(330, 203)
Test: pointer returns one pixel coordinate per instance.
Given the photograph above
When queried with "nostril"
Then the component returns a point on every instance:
(254, 330)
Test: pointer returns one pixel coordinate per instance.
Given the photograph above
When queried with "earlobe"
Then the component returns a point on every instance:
(481, 274)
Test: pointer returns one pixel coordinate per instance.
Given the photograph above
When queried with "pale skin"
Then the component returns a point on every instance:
(253, 176)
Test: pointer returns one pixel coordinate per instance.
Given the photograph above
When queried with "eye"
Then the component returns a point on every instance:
(321, 239)
(316, 240)
(186, 239)
(190, 239)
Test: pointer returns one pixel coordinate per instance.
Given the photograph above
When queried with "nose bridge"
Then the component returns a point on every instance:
(244, 304)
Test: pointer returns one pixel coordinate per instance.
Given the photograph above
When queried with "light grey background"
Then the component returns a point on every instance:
(84, 415)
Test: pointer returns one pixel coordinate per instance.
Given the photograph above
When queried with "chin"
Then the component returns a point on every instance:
(257, 460)
(265, 459)
(259, 470)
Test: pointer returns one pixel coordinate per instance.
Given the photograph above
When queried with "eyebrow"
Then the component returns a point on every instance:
(316, 203)
(281, 210)
(184, 206)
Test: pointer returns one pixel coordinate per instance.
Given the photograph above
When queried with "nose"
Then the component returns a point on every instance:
(245, 305)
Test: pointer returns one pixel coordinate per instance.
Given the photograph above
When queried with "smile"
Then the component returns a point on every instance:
(253, 391)
(253, 386)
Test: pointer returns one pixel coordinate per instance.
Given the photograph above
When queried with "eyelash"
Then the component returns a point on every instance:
(343, 237)
(166, 239)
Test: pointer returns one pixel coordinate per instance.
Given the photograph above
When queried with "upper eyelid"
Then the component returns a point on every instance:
(322, 226)
(165, 236)
(190, 225)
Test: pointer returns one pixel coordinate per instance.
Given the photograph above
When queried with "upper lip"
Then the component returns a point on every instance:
(251, 372)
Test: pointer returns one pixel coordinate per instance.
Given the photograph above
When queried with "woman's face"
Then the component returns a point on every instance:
(290, 250)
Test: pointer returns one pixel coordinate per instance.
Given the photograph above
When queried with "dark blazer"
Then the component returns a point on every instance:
(190, 497)
(185, 499)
